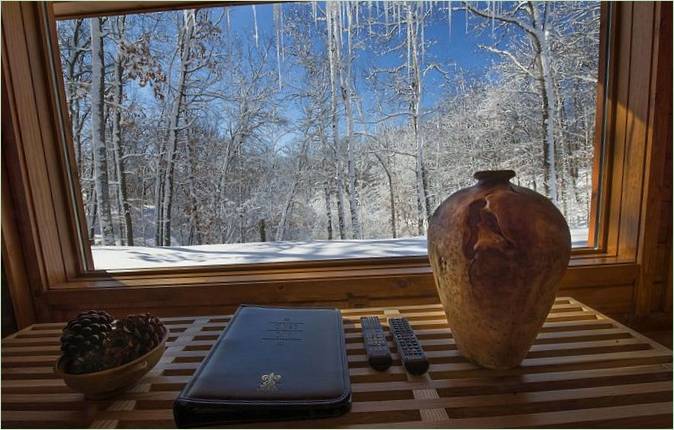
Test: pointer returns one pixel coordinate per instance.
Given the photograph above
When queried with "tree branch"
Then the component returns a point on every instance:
(509, 19)
(512, 58)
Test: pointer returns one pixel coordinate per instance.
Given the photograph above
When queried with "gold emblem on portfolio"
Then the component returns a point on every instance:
(269, 382)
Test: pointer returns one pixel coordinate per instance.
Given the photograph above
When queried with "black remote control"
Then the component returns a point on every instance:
(410, 350)
(376, 346)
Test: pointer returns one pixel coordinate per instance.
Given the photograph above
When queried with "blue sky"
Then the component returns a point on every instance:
(458, 51)
(461, 48)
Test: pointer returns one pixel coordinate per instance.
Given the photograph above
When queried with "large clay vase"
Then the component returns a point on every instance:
(498, 252)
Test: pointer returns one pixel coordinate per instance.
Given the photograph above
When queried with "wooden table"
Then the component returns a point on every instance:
(584, 370)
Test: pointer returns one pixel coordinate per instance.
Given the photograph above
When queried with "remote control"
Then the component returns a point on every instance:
(375, 343)
(410, 350)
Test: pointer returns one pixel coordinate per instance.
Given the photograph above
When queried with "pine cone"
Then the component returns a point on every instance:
(120, 348)
(83, 341)
(145, 328)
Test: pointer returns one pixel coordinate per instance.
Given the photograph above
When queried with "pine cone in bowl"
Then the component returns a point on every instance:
(146, 331)
(102, 358)
(83, 341)
(120, 347)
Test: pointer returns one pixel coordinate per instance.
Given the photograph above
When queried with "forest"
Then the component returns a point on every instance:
(324, 120)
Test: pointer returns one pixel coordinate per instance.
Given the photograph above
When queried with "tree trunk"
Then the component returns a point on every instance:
(341, 217)
(280, 232)
(540, 41)
(549, 127)
(588, 143)
(98, 132)
(329, 14)
(414, 71)
(222, 188)
(328, 209)
(242, 231)
(391, 195)
(420, 206)
(263, 231)
(186, 37)
(344, 71)
(91, 202)
(118, 88)
(195, 236)
(92, 224)
(76, 121)
(159, 195)
(143, 193)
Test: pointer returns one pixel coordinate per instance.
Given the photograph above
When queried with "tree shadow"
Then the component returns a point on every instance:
(266, 252)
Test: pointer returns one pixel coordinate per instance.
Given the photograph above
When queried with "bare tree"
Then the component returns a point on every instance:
(98, 132)
(186, 35)
(333, 58)
(343, 62)
(126, 229)
(532, 18)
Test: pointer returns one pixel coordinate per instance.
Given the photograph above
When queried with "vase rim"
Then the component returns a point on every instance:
(494, 175)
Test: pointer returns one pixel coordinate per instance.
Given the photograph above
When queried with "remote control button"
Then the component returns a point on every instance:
(376, 346)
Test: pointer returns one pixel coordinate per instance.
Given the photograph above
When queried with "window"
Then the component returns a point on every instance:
(51, 272)
(324, 130)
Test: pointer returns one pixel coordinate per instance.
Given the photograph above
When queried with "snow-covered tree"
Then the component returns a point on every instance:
(323, 120)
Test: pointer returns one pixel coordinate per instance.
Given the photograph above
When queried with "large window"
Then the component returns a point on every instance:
(44, 225)
(323, 130)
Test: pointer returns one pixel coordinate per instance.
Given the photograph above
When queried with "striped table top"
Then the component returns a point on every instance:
(584, 370)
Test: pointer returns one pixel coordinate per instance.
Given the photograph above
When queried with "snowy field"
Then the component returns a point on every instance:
(142, 257)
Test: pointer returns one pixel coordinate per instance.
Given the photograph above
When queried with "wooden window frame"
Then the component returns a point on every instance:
(50, 272)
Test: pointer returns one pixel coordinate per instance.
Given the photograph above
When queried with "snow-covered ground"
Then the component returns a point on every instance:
(141, 257)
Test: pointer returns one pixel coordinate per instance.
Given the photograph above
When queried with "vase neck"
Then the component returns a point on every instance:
(494, 176)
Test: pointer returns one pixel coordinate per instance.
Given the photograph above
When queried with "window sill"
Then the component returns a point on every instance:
(607, 284)
(342, 282)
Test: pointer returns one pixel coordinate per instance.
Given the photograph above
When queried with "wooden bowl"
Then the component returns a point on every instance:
(111, 382)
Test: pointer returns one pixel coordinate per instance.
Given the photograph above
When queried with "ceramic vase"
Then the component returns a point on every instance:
(498, 252)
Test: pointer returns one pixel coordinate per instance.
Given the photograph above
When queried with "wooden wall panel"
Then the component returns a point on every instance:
(665, 239)
(9, 325)
(654, 248)
(636, 110)
(619, 305)
(19, 295)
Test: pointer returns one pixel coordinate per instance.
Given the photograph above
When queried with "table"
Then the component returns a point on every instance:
(584, 370)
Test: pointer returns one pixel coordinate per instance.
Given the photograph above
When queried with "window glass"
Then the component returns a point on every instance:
(320, 130)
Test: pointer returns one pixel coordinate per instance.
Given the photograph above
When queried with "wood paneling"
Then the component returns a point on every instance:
(653, 251)
(9, 325)
(636, 113)
(32, 160)
(14, 271)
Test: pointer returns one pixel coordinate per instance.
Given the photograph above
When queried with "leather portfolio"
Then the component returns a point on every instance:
(270, 364)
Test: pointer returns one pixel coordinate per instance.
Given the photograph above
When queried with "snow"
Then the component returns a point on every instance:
(145, 257)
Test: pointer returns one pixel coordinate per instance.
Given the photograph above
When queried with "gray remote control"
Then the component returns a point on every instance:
(411, 353)
(376, 346)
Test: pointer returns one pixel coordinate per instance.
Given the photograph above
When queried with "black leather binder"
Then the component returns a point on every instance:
(270, 364)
